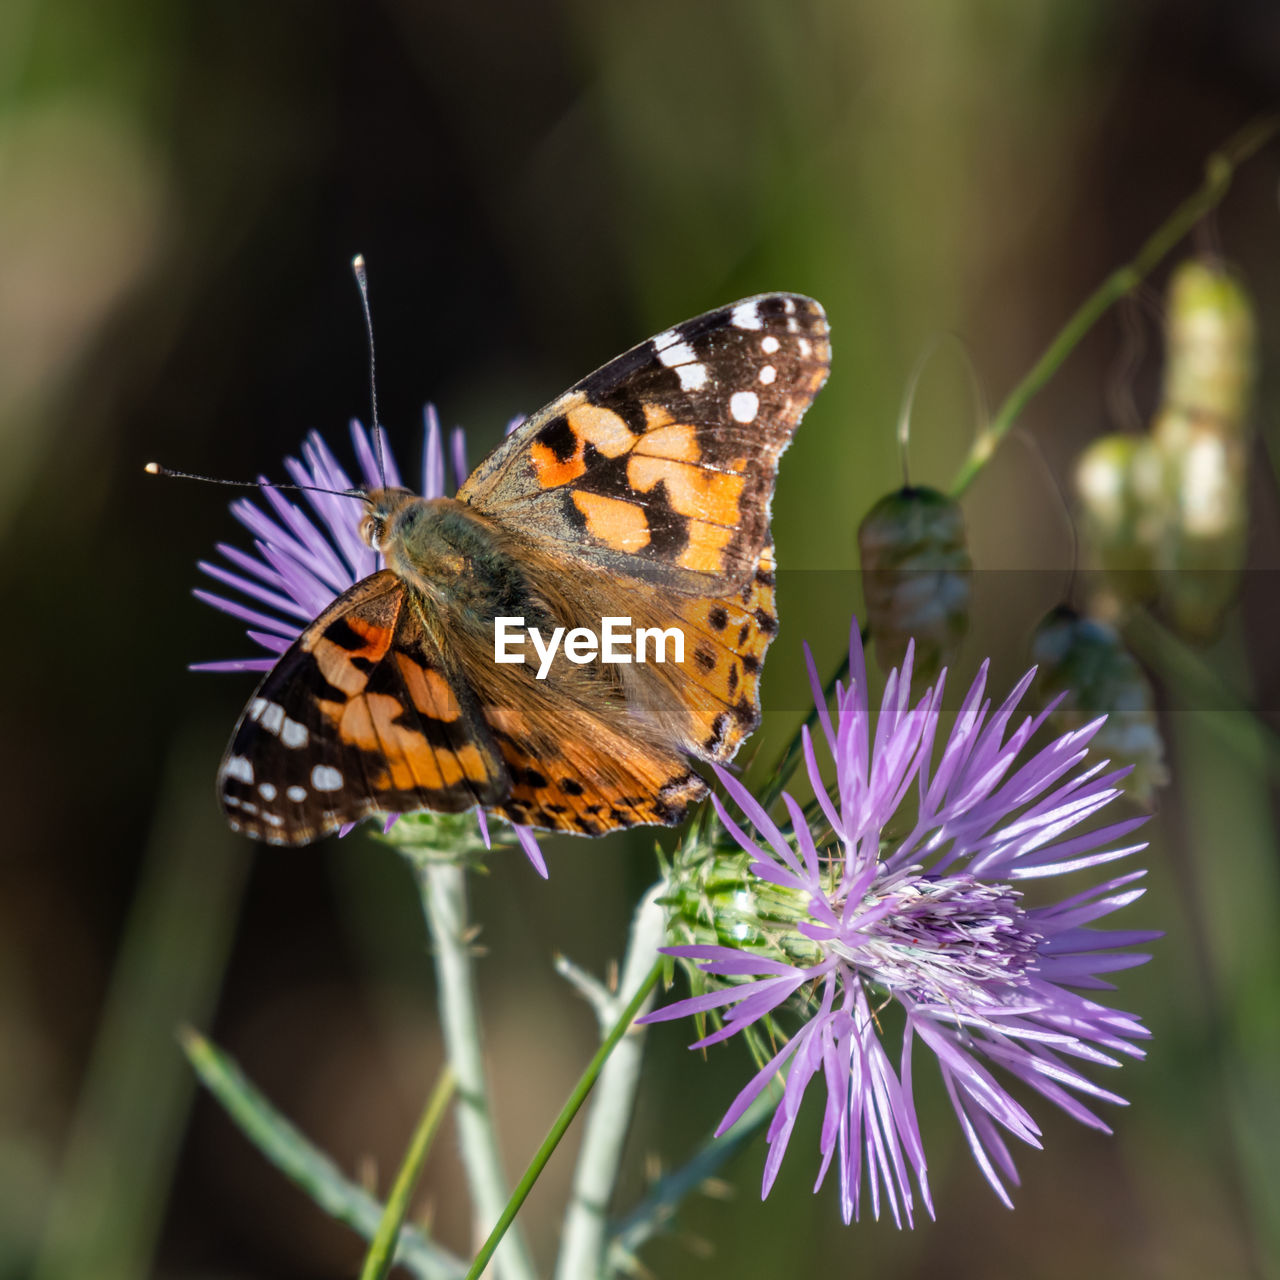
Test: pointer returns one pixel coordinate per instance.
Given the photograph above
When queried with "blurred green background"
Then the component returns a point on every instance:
(537, 186)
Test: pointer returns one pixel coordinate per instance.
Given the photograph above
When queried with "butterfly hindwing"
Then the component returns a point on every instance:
(662, 463)
(360, 715)
(591, 779)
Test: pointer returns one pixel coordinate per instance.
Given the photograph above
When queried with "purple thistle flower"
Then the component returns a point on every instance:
(305, 559)
(933, 921)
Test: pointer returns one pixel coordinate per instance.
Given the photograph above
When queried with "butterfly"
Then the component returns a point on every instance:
(642, 493)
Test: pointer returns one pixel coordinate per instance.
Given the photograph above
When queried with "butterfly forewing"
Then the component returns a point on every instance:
(361, 715)
(662, 463)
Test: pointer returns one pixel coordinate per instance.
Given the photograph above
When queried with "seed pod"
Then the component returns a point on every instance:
(1204, 545)
(1122, 505)
(1200, 435)
(1087, 662)
(1209, 359)
(915, 577)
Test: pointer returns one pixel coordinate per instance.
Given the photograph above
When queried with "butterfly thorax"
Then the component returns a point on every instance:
(443, 548)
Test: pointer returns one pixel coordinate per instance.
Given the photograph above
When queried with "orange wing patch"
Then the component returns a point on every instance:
(553, 471)
(363, 641)
(595, 425)
(428, 689)
(704, 550)
(693, 491)
(726, 641)
(619, 524)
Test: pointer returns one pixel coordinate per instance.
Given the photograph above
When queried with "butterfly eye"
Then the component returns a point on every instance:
(371, 528)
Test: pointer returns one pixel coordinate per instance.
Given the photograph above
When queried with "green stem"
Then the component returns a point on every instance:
(382, 1251)
(564, 1120)
(1219, 170)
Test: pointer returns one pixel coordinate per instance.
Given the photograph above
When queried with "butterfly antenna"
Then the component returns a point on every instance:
(155, 469)
(362, 283)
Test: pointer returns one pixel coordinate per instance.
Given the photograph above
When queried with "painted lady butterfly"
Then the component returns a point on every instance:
(642, 492)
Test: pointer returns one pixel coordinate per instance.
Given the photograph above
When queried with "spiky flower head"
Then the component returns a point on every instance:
(902, 886)
(302, 559)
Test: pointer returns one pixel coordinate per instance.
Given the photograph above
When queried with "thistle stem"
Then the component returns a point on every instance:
(584, 1236)
(565, 1119)
(1219, 170)
(443, 888)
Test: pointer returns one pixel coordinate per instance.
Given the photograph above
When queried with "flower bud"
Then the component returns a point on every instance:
(713, 899)
(1086, 661)
(915, 576)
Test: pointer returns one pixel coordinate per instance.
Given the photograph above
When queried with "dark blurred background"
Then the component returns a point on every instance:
(537, 186)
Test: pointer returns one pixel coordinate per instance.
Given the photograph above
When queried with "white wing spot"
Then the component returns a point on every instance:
(665, 339)
(272, 718)
(789, 306)
(325, 777)
(767, 374)
(274, 819)
(239, 768)
(743, 405)
(804, 346)
(693, 377)
(769, 344)
(296, 794)
(746, 315)
(257, 707)
(792, 327)
(676, 353)
(294, 734)
(266, 791)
